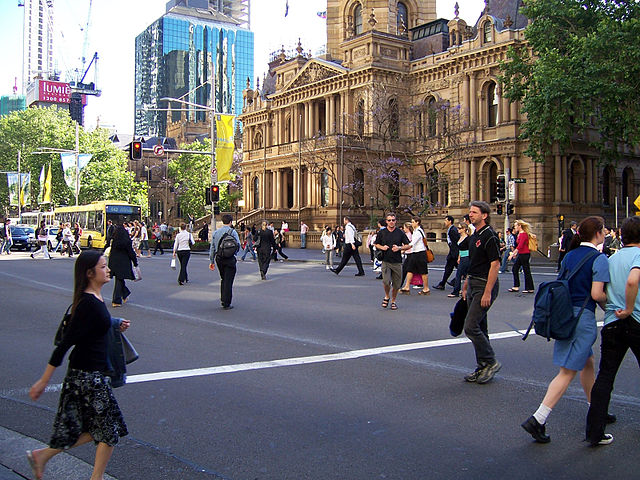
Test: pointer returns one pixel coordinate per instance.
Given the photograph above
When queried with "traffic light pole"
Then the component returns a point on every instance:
(507, 178)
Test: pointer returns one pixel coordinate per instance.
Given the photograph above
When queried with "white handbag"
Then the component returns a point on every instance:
(137, 274)
(173, 263)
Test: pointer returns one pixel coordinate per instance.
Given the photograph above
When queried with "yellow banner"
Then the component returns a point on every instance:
(224, 146)
(46, 196)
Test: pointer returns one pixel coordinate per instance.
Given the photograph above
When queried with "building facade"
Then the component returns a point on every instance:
(181, 55)
(406, 112)
(12, 103)
(38, 41)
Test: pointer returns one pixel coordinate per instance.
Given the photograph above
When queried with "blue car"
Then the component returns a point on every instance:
(20, 239)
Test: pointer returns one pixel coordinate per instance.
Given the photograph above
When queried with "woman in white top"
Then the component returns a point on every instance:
(67, 239)
(182, 247)
(417, 259)
(328, 245)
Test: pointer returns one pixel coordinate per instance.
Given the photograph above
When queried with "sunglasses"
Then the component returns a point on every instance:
(391, 219)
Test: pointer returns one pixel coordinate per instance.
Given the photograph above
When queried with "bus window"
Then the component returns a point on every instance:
(99, 223)
(91, 221)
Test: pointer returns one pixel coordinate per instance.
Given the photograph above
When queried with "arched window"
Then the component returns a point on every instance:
(257, 140)
(256, 192)
(357, 19)
(360, 117)
(432, 117)
(394, 119)
(324, 188)
(402, 18)
(358, 187)
(492, 105)
(576, 182)
(487, 32)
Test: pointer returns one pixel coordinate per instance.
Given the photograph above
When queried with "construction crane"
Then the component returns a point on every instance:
(78, 87)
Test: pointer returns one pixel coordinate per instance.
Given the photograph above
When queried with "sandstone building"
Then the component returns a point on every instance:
(405, 111)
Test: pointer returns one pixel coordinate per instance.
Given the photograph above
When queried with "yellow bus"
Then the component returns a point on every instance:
(93, 219)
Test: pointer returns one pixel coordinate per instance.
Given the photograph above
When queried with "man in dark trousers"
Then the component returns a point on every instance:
(226, 265)
(351, 245)
(111, 228)
(565, 241)
(481, 290)
(452, 258)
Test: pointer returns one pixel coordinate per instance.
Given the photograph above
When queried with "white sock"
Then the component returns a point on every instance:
(542, 413)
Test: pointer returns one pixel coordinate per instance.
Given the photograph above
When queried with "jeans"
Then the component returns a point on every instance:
(475, 324)
(617, 338)
(303, 240)
(505, 260)
(463, 268)
(248, 249)
(6, 246)
(328, 257)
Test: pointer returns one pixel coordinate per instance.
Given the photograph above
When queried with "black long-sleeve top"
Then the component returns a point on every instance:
(87, 330)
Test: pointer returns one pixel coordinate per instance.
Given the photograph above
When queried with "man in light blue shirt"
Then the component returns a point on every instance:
(621, 331)
(226, 261)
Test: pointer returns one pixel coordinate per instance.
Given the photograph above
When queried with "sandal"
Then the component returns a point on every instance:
(385, 302)
(424, 292)
(37, 472)
(513, 290)
(405, 292)
(394, 306)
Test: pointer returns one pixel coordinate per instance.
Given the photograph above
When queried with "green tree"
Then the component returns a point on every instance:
(190, 174)
(105, 177)
(578, 75)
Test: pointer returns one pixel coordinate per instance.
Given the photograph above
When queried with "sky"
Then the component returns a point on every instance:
(114, 25)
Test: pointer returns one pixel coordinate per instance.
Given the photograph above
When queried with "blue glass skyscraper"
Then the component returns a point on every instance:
(182, 55)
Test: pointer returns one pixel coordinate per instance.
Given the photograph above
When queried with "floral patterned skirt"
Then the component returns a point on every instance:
(87, 404)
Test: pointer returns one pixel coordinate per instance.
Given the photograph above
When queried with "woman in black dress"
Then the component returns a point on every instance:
(120, 260)
(87, 410)
(265, 245)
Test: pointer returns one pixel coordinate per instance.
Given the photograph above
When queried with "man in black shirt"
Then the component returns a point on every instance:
(392, 241)
(480, 290)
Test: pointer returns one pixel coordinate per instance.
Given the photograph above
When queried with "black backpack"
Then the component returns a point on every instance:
(227, 246)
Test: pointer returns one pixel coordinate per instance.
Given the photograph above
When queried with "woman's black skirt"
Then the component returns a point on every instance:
(417, 263)
(87, 404)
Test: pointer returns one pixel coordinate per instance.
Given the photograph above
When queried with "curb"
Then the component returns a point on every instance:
(14, 465)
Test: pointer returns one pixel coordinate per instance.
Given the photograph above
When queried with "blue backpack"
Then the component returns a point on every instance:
(552, 310)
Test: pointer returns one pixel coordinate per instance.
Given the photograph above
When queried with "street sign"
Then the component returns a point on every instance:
(519, 180)
(636, 202)
(158, 150)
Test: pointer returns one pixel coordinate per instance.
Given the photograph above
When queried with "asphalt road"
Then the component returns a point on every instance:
(307, 378)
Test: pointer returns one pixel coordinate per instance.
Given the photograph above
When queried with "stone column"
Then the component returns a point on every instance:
(466, 184)
(473, 190)
(565, 187)
(557, 173)
(589, 182)
(308, 177)
(504, 109)
(327, 115)
(473, 100)
(513, 106)
(465, 100)
(331, 115)
(296, 173)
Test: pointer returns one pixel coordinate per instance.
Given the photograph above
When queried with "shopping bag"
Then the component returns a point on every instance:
(173, 263)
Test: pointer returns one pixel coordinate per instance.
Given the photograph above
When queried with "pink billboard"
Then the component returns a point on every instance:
(54, 92)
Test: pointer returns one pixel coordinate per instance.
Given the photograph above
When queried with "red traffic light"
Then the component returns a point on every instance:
(136, 151)
(215, 193)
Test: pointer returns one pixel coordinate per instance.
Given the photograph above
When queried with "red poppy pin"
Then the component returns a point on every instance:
(478, 243)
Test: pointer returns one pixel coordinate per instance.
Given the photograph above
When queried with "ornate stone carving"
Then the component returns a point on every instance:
(313, 73)
(359, 52)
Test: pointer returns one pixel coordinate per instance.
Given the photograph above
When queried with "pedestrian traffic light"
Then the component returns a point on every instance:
(501, 192)
(499, 209)
(510, 209)
(215, 193)
(136, 151)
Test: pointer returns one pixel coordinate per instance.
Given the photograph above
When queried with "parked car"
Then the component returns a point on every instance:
(20, 238)
(51, 234)
(33, 241)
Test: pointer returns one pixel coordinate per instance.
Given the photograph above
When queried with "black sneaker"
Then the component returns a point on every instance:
(488, 372)
(609, 419)
(473, 376)
(536, 430)
(438, 287)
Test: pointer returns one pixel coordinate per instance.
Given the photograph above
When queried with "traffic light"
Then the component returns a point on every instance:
(510, 209)
(501, 192)
(215, 193)
(499, 209)
(136, 151)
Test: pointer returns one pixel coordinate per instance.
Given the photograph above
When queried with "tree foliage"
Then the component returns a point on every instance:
(578, 75)
(105, 177)
(190, 174)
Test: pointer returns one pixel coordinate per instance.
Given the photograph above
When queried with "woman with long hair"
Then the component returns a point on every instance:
(575, 355)
(416, 264)
(87, 410)
(120, 260)
(182, 248)
(522, 254)
(328, 244)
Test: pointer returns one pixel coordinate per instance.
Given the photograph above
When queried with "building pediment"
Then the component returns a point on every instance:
(314, 71)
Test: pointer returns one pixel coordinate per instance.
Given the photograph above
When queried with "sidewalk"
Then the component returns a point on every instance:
(14, 465)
